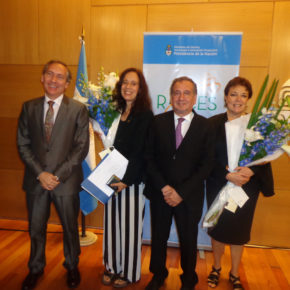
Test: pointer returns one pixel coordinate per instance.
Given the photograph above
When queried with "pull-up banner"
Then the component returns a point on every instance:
(209, 59)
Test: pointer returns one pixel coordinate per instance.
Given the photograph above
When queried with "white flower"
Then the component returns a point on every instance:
(273, 121)
(251, 135)
(264, 111)
(95, 90)
(111, 80)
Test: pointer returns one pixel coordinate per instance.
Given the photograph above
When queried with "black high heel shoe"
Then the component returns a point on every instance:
(236, 282)
(213, 277)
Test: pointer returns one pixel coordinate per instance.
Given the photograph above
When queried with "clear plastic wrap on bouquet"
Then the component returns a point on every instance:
(108, 140)
(212, 215)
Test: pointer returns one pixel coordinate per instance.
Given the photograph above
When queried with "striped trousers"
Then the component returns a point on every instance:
(123, 223)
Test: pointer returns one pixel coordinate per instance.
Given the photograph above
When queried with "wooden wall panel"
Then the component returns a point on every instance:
(256, 76)
(271, 221)
(118, 2)
(18, 83)
(229, 1)
(12, 197)
(60, 25)
(253, 19)
(281, 170)
(280, 53)
(19, 32)
(175, 1)
(9, 158)
(117, 38)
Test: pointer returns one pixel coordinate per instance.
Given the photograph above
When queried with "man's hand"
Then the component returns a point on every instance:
(48, 181)
(167, 190)
(170, 195)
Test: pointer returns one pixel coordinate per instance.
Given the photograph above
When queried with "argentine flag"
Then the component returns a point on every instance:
(87, 202)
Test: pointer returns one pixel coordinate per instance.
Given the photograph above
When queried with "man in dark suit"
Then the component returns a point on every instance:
(53, 140)
(179, 157)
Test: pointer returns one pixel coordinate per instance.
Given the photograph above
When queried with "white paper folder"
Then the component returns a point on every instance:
(113, 163)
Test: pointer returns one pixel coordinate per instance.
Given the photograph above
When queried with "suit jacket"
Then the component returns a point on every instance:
(67, 148)
(130, 141)
(185, 168)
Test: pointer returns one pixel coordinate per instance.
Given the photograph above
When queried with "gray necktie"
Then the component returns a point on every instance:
(49, 120)
(178, 135)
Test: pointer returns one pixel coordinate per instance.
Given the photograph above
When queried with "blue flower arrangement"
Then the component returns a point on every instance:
(100, 102)
(267, 130)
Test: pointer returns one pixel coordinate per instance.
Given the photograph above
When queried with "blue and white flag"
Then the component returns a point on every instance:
(87, 202)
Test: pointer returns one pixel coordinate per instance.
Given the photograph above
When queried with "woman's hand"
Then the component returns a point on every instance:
(245, 171)
(237, 178)
(240, 176)
(120, 186)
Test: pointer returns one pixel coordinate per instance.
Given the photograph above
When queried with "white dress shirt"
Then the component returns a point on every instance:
(56, 105)
(185, 124)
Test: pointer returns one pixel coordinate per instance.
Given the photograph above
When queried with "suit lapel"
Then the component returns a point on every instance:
(39, 107)
(171, 132)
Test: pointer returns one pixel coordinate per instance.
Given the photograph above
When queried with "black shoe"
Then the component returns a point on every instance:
(155, 283)
(73, 278)
(31, 280)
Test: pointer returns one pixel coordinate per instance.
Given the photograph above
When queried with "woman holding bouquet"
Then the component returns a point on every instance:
(234, 228)
(124, 212)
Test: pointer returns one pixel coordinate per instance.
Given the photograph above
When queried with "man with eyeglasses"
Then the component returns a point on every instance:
(53, 140)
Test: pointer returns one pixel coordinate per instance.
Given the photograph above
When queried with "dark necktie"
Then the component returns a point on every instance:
(49, 120)
(178, 134)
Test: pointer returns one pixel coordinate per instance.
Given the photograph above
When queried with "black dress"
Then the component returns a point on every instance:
(234, 228)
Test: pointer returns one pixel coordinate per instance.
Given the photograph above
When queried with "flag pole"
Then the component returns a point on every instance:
(86, 237)
(83, 235)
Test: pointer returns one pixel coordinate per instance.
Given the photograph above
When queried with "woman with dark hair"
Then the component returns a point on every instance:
(124, 212)
(234, 228)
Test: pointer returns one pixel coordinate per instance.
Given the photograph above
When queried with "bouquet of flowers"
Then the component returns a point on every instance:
(267, 131)
(100, 104)
(251, 140)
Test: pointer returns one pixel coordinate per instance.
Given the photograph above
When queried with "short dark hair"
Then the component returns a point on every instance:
(182, 79)
(239, 81)
(47, 65)
(142, 102)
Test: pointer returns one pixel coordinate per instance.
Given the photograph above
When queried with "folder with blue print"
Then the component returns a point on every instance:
(112, 166)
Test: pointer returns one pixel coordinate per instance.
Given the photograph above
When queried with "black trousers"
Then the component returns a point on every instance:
(187, 227)
(67, 208)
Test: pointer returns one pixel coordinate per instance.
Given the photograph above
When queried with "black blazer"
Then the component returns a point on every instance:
(130, 141)
(63, 155)
(186, 168)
